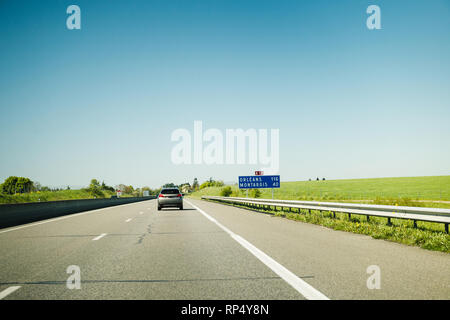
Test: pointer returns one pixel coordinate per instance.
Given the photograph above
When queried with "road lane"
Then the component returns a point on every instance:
(336, 262)
(34, 248)
(169, 254)
(293, 280)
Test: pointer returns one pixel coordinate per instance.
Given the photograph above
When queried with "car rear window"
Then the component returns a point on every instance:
(170, 191)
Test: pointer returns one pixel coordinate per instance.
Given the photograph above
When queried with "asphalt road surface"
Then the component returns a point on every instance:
(208, 251)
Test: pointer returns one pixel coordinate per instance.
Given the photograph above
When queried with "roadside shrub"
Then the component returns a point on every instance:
(13, 185)
(226, 192)
(94, 189)
(256, 193)
(211, 183)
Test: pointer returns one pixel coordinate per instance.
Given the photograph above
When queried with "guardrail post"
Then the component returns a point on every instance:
(446, 227)
(389, 223)
(368, 218)
(350, 216)
(415, 223)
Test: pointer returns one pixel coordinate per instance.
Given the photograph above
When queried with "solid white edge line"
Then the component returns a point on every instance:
(63, 217)
(298, 284)
(99, 237)
(8, 291)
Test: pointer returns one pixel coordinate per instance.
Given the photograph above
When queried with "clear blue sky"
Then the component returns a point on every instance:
(102, 102)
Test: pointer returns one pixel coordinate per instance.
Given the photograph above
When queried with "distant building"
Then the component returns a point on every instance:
(120, 187)
(185, 188)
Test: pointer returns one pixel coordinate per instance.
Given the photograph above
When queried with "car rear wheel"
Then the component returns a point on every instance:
(159, 208)
(181, 207)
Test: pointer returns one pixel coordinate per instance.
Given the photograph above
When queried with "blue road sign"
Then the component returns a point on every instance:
(258, 182)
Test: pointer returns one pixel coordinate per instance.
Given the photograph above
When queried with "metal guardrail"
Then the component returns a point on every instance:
(415, 214)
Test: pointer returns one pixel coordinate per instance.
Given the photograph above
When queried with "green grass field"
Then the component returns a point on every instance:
(49, 196)
(415, 191)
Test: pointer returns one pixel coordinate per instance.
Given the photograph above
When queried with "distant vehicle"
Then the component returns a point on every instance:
(170, 197)
(114, 197)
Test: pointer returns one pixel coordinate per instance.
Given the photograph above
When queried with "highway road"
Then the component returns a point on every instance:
(208, 251)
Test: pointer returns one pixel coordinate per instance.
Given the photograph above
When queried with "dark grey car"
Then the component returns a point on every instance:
(170, 197)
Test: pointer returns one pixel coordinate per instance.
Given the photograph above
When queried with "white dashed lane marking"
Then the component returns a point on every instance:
(304, 288)
(8, 291)
(99, 237)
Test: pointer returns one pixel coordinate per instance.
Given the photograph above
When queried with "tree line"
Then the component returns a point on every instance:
(195, 186)
(22, 185)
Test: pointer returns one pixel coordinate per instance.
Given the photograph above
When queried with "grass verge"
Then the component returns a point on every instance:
(427, 235)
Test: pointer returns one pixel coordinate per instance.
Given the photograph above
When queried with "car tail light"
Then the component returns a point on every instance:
(161, 196)
(180, 195)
